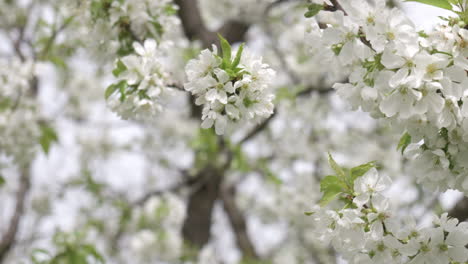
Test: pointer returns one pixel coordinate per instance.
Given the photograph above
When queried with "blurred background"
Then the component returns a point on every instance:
(76, 179)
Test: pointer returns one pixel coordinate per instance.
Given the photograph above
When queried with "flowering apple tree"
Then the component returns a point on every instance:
(202, 131)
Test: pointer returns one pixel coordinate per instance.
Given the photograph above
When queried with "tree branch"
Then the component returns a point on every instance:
(197, 224)
(238, 223)
(194, 27)
(9, 238)
(460, 211)
(188, 181)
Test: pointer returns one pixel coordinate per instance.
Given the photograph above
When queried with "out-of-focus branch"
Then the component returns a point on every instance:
(188, 181)
(238, 223)
(275, 45)
(460, 211)
(197, 224)
(258, 129)
(53, 37)
(9, 238)
(194, 27)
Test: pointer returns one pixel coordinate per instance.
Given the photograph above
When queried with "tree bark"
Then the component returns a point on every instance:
(195, 28)
(460, 211)
(9, 238)
(197, 224)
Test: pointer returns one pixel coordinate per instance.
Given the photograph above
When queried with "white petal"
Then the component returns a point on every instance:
(138, 48)
(207, 123)
(211, 95)
(220, 125)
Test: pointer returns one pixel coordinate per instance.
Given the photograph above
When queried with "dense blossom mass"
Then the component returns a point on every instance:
(19, 128)
(227, 142)
(142, 81)
(367, 230)
(230, 91)
(413, 79)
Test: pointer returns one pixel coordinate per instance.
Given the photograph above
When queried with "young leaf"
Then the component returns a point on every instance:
(313, 10)
(405, 140)
(48, 136)
(360, 170)
(272, 177)
(309, 213)
(238, 56)
(437, 3)
(119, 68)
(226, 49)
(90, 250)
(336, 168)
(110, 90)
(331, 186)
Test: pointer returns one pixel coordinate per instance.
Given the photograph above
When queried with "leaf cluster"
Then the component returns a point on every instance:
(342, 183)
(228, 63)
(71, 250)
(457, 6)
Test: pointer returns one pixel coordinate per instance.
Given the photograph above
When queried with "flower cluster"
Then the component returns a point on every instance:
(366, 230)
(230, 90)
(142, 80)
(413, 79)
(133, 20)
(19, 129)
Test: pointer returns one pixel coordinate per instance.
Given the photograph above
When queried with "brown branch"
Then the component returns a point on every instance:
(460, 211)
(197, 224)
(9, 238)
(335, 6)
(238, 223)
(194, 27)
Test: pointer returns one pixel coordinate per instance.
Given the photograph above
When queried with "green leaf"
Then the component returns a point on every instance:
(48, 136)
(170, 10)
(226, 50)
(110, 90)
(119, 68)
(309, 213)
(2, 181)
(336, 168)
(313, 10)
(121, 86)
(58, 61)
(272, 177)
(331, 186)
(238, 56)
(5, 103)
(360, 170)
(437, 3)
(405, 140)
(90, 250)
